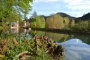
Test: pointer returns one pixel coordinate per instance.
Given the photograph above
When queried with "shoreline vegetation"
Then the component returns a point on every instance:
(38, 48)
(66, 31)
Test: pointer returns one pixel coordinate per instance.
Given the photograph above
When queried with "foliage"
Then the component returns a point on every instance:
(33, 32)
(82, 26)
(57, 21)
(37, 21)
(54, 21)
(0, 27)
(34, 47)
(13, 9)
(89, 25)
(34, 14)
(66, 22)
(25, 45)
(56, 37)
(72, 23)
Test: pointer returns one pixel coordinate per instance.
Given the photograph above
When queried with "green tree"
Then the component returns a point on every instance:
(66, 22)
(34, 15)
(54, 21)
(89, 25)
(82, 26)
(37, 21)
(13, 9)
(72, 23)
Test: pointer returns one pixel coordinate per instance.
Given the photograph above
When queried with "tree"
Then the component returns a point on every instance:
(82, 26)
(54, 21)
(89, 24)
(66, 22)
(72, 23)
(37, 21)
(14, 9)
(34, 15)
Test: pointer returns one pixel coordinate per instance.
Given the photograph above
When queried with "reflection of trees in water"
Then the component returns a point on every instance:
(63, 37)
(34, 32)
(57, 37)
(84, 38)
(41, 33)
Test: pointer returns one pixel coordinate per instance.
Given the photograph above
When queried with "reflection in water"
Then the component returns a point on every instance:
(14, 30)
(84, 38)
(57, 36)
(20, 30)
(73, 41)
(75, 49)
(25, 36)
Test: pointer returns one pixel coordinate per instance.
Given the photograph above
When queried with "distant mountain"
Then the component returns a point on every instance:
(83, 18)
(44, 16)
(62, 15)
(66, 15)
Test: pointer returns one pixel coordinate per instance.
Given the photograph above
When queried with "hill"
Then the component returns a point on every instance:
(66, 15)
(61, 14)
(83, 18)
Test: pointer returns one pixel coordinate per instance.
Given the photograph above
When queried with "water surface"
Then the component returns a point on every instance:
(75, 49)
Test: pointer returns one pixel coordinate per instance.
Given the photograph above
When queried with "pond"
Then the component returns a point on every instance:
(77, 47)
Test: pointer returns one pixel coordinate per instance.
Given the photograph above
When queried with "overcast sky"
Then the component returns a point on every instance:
(74, 8)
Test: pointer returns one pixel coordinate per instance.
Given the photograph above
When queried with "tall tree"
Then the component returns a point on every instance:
(34, 15)
(14, 9)
(72, 23)
(54, 21)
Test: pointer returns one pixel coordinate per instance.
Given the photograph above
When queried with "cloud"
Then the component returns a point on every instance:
(46, 1)
(72, 7)
(77, 5)
(79, 14)
(72, 2)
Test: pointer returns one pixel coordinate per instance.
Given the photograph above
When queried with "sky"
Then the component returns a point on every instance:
(76, 8)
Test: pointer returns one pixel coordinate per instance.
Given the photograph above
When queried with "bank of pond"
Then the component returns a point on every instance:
(37, 48)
